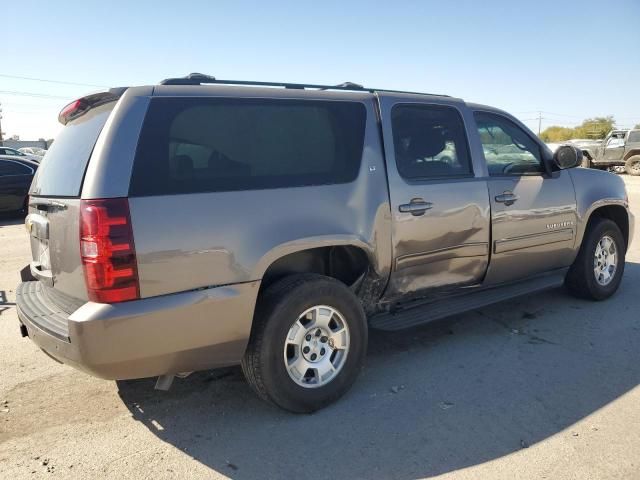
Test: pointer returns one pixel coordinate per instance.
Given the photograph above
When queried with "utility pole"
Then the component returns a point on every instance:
(1, 141)
(539, 122)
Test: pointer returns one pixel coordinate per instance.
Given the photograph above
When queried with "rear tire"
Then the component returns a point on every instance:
(284, 341)
(632, 165)
(597, 271)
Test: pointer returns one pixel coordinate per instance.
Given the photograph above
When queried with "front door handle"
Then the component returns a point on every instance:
(416, 207)
(508, 198)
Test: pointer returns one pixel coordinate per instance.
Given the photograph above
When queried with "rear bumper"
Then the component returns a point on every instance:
(154, 336)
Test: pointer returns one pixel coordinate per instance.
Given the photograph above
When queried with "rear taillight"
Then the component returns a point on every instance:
(81, 106)
(107, 250)
(72, 110)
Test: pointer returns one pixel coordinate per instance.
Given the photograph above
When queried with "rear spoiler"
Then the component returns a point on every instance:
(79, 107)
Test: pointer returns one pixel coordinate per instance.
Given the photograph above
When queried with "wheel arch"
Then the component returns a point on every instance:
(588, 154)
(601, 194)
(631, 153)
(615, 212)
(349, 260)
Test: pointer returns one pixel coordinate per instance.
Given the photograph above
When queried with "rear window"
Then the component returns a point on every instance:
(190, 145)
(62, 169)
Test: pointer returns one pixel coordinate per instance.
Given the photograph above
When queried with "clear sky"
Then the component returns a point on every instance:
(568, 59)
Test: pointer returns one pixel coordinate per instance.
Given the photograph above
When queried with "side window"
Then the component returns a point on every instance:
(429, 142)
(508, 149)
(13, 168)
(634, 137)
(210, 145)
(616, 140)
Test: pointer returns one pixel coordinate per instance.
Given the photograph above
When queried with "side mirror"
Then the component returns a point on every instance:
(567, 156)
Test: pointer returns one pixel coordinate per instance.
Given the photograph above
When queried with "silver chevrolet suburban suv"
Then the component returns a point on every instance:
(202, 223)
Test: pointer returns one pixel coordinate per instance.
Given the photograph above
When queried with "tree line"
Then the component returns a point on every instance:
(595, 128)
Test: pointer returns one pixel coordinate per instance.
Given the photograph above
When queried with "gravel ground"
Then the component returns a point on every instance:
(540, 387)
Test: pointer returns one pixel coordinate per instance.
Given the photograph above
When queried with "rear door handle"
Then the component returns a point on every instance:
(416, 207)
(508, 198)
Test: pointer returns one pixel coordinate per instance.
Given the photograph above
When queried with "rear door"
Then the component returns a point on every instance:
(53, 220)
(439, 201)
(533, 211)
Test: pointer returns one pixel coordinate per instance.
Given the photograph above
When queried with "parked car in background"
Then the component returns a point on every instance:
(16, 175)
(585, 142)
(33, 151)
(553, 146)
(279, 224)
(620, 148)
(18, 153)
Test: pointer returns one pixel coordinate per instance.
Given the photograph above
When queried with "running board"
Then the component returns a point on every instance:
(454, 305)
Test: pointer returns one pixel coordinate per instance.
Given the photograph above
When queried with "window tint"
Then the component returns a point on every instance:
(508, 149)
(634, 137)
(62, 170)
(429, 141)
(190, 145)
(14, 168)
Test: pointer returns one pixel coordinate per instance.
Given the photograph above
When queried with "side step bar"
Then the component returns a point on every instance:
(456, 304)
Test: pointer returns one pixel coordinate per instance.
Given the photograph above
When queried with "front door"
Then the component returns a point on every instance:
(614, 148)
(440, 209)
(533, 211)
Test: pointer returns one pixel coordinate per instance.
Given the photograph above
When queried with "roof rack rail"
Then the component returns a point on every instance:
(349, 85)
(191, 79)
(200, 79)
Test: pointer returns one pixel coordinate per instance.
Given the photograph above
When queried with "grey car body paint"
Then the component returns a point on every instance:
(109, 169)
(448, 244)
(201, 257)
(595, 189)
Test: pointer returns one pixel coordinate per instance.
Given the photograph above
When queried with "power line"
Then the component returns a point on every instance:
(33, 94)
(53, 81)
(561, 114)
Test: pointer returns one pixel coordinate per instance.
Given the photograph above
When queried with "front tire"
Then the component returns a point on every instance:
(308, 343)
(632, 165)
(597, 271)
